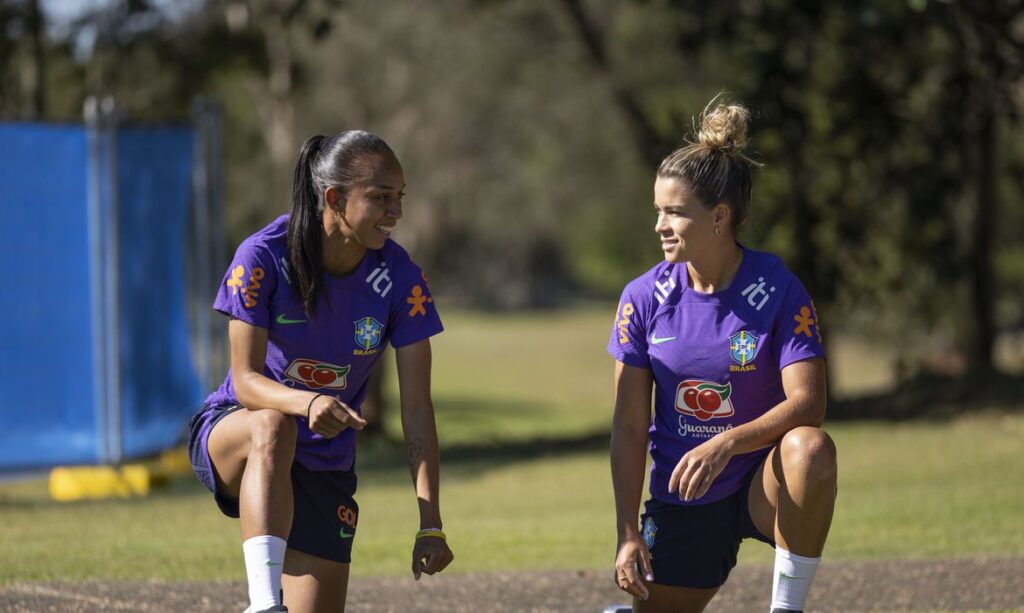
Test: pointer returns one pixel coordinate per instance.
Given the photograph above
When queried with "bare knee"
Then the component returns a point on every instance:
(273, 434)
(810, 453)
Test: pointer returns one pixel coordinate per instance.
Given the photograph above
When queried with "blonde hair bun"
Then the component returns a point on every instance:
(724, 128)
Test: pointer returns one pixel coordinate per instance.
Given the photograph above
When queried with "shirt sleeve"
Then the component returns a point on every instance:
(413, 315)
(251, 279)
(628, 342)
(797, 334)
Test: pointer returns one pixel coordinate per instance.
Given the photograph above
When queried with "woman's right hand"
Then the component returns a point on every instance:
(329, 416)
(632, 559)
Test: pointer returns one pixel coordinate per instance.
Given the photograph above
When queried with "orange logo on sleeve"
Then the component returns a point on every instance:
(250, 292)
(805, 320)
(623, 324)
(417, 300)
(235, 282)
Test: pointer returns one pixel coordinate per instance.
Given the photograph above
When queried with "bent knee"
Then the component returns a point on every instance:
(273, 431)
(809, 451)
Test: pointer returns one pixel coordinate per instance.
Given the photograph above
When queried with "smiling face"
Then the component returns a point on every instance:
(369, 211)
(685, 225)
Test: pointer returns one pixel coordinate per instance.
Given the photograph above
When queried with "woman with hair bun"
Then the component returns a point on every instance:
(729, 340)
(314, 298)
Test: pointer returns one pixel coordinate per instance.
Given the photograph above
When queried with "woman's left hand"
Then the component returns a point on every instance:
(430, 554)
(699, 468)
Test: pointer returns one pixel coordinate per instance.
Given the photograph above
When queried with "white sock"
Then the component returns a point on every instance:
(264, 561)
(792, 579)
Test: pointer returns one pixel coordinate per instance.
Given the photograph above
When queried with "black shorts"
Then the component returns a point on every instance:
(696, 546)
(326, 514)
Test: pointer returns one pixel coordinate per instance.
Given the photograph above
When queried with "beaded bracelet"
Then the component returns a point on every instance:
(435, 532)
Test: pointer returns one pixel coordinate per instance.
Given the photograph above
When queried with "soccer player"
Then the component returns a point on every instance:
(314, 298)
(729, 340)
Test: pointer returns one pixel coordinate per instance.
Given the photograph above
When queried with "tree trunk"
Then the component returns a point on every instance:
(982, 277)
(37, 79)
(651, 147)
(983, 25)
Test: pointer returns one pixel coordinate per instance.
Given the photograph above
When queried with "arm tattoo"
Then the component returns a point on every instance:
(414, 451)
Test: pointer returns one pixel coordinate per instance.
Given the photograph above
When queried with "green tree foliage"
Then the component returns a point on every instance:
(878, 123)
(530, 132)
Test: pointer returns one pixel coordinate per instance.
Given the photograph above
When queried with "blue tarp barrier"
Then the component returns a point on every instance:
(95, 362)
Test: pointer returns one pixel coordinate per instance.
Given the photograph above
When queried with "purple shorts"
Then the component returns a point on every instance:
(199, 428)
(325, 512)
(696, 545)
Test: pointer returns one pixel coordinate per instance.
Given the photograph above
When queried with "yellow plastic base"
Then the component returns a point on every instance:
(91, 482)
(69, 483)
(175, 462)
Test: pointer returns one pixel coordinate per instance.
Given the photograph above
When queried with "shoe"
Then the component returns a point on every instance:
(619, 608)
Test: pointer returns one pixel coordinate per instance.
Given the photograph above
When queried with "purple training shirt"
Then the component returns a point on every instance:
(716, 358)
(386, 300)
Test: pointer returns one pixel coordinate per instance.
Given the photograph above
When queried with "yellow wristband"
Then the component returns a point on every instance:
(435, 532)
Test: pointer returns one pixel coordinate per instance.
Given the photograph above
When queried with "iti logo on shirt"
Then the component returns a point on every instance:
(368, 332)
(380, 281)
(317, 375)
(756, 294)
(662, 290)
(704, 400)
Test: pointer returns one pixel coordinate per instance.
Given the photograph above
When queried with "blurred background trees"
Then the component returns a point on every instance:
(530, 132)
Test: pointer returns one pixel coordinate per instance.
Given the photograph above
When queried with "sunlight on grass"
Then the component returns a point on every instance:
(512, 501)
(906, 490)
(513, 376)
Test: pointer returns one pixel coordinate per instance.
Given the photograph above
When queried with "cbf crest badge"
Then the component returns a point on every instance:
(743, 347)
(368, 332)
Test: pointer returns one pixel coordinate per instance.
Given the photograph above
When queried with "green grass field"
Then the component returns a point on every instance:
(523, 406)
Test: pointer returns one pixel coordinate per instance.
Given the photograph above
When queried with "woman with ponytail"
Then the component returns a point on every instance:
(313, 299)
(729, 341)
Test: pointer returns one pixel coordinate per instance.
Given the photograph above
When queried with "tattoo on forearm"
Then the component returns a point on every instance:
(415, 450)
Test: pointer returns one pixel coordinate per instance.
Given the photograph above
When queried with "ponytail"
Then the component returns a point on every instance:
(305, 244)
(338, 161)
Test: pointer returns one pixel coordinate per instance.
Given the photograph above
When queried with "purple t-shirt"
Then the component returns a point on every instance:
(716, 358)
(385, 300)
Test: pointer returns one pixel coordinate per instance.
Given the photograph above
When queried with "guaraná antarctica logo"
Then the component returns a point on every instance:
(318, 375)
(704, 400)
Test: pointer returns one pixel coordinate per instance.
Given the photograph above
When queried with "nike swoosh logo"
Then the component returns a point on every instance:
(345, 535)
(269, 564)
(785, 576)
(657, 341)
(281, 319)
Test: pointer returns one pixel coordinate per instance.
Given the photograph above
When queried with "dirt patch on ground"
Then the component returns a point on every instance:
(893, 585)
